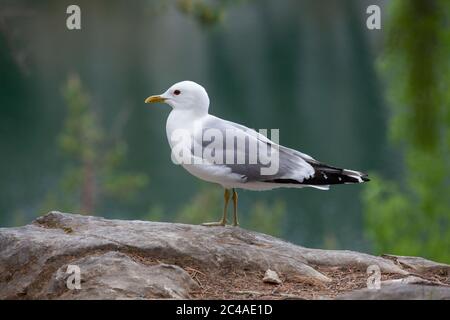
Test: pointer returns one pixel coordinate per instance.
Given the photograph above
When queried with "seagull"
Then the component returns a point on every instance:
(190, 128)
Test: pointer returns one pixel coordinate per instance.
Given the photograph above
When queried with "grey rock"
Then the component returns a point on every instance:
(122, 259)
(400, 292)
(271, 277)
(420, 264)
(411, 280)
(114, 275)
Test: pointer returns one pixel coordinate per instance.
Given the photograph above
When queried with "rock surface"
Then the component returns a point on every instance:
(121, 259)
(397, 292)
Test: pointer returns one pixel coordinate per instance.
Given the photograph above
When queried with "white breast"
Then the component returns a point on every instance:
(180, 121)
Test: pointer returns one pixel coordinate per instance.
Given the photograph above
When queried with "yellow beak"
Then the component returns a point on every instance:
(153, 99)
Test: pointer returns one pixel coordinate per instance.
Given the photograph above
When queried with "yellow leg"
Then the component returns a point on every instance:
(235, 201)
(223, 222)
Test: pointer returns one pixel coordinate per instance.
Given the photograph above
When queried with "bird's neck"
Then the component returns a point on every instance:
(184, 119)
(189, 114)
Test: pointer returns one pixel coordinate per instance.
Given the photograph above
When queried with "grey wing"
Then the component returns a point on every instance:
(265, 160)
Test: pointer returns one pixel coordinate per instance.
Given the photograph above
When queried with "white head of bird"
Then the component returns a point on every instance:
(184, 95)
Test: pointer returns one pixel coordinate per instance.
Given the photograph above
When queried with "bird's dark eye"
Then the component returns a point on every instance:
(176, 92)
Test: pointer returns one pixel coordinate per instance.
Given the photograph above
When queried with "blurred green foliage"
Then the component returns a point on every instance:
(204, 206)
(412, 217)
(207, 204)
(206, 12)
(267, 218)
(93, 171)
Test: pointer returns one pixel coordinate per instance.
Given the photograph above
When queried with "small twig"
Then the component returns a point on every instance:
(198, 281)
(195, 270)
(245, 292)
(290, 296)
(259, 293)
